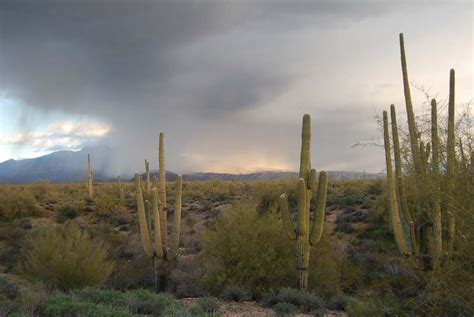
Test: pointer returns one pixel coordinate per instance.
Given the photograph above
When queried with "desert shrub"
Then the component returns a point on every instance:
(338, 302)
(17, 202)
(285, 309)
(30, 299)
(235, 293)
(66, 257)
(142, 301)
(105, 203)
(65, 213)
(246, 249)
(302, 299)
(63, 305)
(11, 243)
(207, 304)
(39, 189)
(8, 289)
(102, 296)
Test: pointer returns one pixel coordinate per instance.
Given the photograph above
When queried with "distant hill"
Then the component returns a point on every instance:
(60, 167)
(71, 166)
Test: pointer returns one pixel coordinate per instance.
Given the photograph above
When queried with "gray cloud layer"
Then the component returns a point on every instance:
(227, 81)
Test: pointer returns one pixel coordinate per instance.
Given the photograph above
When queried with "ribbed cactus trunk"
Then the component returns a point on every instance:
(90, 180)
(437, 217)
(431, 209)
(415, 150)
(392, 192)
(451, 163)
(303, 234)
(162, 187)
(154, 236)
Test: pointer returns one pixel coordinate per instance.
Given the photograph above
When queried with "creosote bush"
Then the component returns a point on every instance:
(66, 257)
(16, 203)
(249, 250)
(65, 213)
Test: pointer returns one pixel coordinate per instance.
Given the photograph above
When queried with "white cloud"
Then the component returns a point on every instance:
(60, 135)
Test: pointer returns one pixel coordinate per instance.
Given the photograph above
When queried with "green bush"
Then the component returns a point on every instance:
(105, 204)
(16, 203)
(102, 296)
(338, 302)
(65, 213)
(302, 299)
(63, 305)
(66, 257)
(209, 305)
(235, 293)
(246, 249)
(145, 302)
(285, 309)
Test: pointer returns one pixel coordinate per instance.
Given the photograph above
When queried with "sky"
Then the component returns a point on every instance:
(227, 81)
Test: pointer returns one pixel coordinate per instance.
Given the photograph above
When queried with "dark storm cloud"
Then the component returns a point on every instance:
(189, 68)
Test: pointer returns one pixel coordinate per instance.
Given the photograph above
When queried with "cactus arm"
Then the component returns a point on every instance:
(305, 157)
(318, 220)
(410, 114)
(162, 190)
(407, 213)
(177, 218)
(148, 184)
(286, 217)
(437, 218)
(156, 222)
(144, 233)
(394, 212)
(451, 160)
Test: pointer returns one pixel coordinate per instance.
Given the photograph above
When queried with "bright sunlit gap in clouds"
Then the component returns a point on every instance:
(26, 133)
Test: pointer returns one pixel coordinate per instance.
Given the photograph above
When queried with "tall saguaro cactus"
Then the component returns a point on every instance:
(419, 229)
(90, 177)
(147, 182)
(304, 235)
(152, 228)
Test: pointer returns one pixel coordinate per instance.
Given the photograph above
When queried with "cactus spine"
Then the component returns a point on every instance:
(421, 229)
(152, 228)
(89, 177)
(304, 235)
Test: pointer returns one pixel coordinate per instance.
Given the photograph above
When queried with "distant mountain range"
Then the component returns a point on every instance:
(71, 166)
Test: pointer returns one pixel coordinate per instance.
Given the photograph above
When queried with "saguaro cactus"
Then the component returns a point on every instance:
(147, 181)
(421, 228)
(90, 177)
(304, 235)
(121, 191)
(152, 228)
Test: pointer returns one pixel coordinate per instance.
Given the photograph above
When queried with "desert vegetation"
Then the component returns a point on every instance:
(400, 246)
